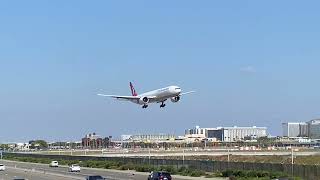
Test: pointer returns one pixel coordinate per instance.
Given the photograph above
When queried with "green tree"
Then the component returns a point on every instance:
(39, 144)
(4, 146)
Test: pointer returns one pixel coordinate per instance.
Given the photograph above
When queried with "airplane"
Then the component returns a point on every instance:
(156, 96)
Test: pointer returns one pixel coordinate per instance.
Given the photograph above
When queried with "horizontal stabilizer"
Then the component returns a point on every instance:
(189, 92)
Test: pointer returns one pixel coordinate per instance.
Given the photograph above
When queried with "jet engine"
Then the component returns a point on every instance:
(144, 100)
(175, 99)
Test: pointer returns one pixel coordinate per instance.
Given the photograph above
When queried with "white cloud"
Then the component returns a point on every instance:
(248, 69)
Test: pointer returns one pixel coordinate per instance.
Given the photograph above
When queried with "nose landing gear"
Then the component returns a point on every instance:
(162, 105)
(144, 106)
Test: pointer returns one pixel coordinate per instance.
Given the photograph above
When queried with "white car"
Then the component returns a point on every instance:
(2, 167)
(74, 168)
(54, 164)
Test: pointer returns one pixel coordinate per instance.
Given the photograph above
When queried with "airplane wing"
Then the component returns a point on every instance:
(120, 97)
(189, 92)
(128, 98)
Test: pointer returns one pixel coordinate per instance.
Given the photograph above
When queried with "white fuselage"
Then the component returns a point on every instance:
(160, 95)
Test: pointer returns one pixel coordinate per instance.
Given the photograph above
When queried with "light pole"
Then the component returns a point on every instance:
(228, 150)
(183, 157)
(292, 162)
(149, 155)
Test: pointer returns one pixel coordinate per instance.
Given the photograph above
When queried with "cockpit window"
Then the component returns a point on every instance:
(178, 88)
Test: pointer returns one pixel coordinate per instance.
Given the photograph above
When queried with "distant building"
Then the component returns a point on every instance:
(295, 129)
(231, 134)
(314, 129)
(304, 130)
(148, 137)
(22, 146)
(94, 141)
(216, 134)
(196, 132)
(227, 134)
(126, 137)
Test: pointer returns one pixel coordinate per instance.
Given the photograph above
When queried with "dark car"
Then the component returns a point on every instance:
(159, 175)
(97, 177)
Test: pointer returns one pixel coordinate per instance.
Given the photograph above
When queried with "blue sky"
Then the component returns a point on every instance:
(251, 63)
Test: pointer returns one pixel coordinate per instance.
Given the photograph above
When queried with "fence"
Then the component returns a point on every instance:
(304, 171)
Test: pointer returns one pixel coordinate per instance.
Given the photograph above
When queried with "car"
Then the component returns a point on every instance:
(95, 177)
(54, 164)
(159, 175)
(74, 168)
(18, 178)
(2, 167)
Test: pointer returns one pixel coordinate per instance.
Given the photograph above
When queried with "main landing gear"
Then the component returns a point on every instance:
(162, 105)
(144, 106)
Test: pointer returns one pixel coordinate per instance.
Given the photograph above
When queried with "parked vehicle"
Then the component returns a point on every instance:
(96, 177)
(159, 175)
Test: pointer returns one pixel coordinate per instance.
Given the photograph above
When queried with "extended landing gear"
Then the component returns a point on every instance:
(144, 106)
(162, 105)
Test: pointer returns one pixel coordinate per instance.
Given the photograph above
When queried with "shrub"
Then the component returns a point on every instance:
(263, 174)
(197, 173)
(209, 176)
(252, 174)
(227, 173)
(127, 166)
(170, 169)
(144, 168)
(182, 169)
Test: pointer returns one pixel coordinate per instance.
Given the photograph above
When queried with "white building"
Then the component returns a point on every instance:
(197, 133)
(23, 146)
(231, 134)
(228, 134)
(148, 137)
(295, 129)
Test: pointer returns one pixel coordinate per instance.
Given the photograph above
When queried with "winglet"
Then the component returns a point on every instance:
(133, 91)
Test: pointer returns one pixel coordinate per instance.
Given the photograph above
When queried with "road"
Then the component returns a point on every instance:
(36, 171)
(11, 173)
(33, 169)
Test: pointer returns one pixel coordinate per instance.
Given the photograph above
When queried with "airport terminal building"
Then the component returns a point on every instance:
(148, 137)
(295, 129)
(310, 129)
(226, 134)
(314, 129)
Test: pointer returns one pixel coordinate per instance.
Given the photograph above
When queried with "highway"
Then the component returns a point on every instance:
(11, 173)
(61, 172)
(36, 171)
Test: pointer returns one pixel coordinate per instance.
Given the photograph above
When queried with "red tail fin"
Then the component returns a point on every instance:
(133, 91)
